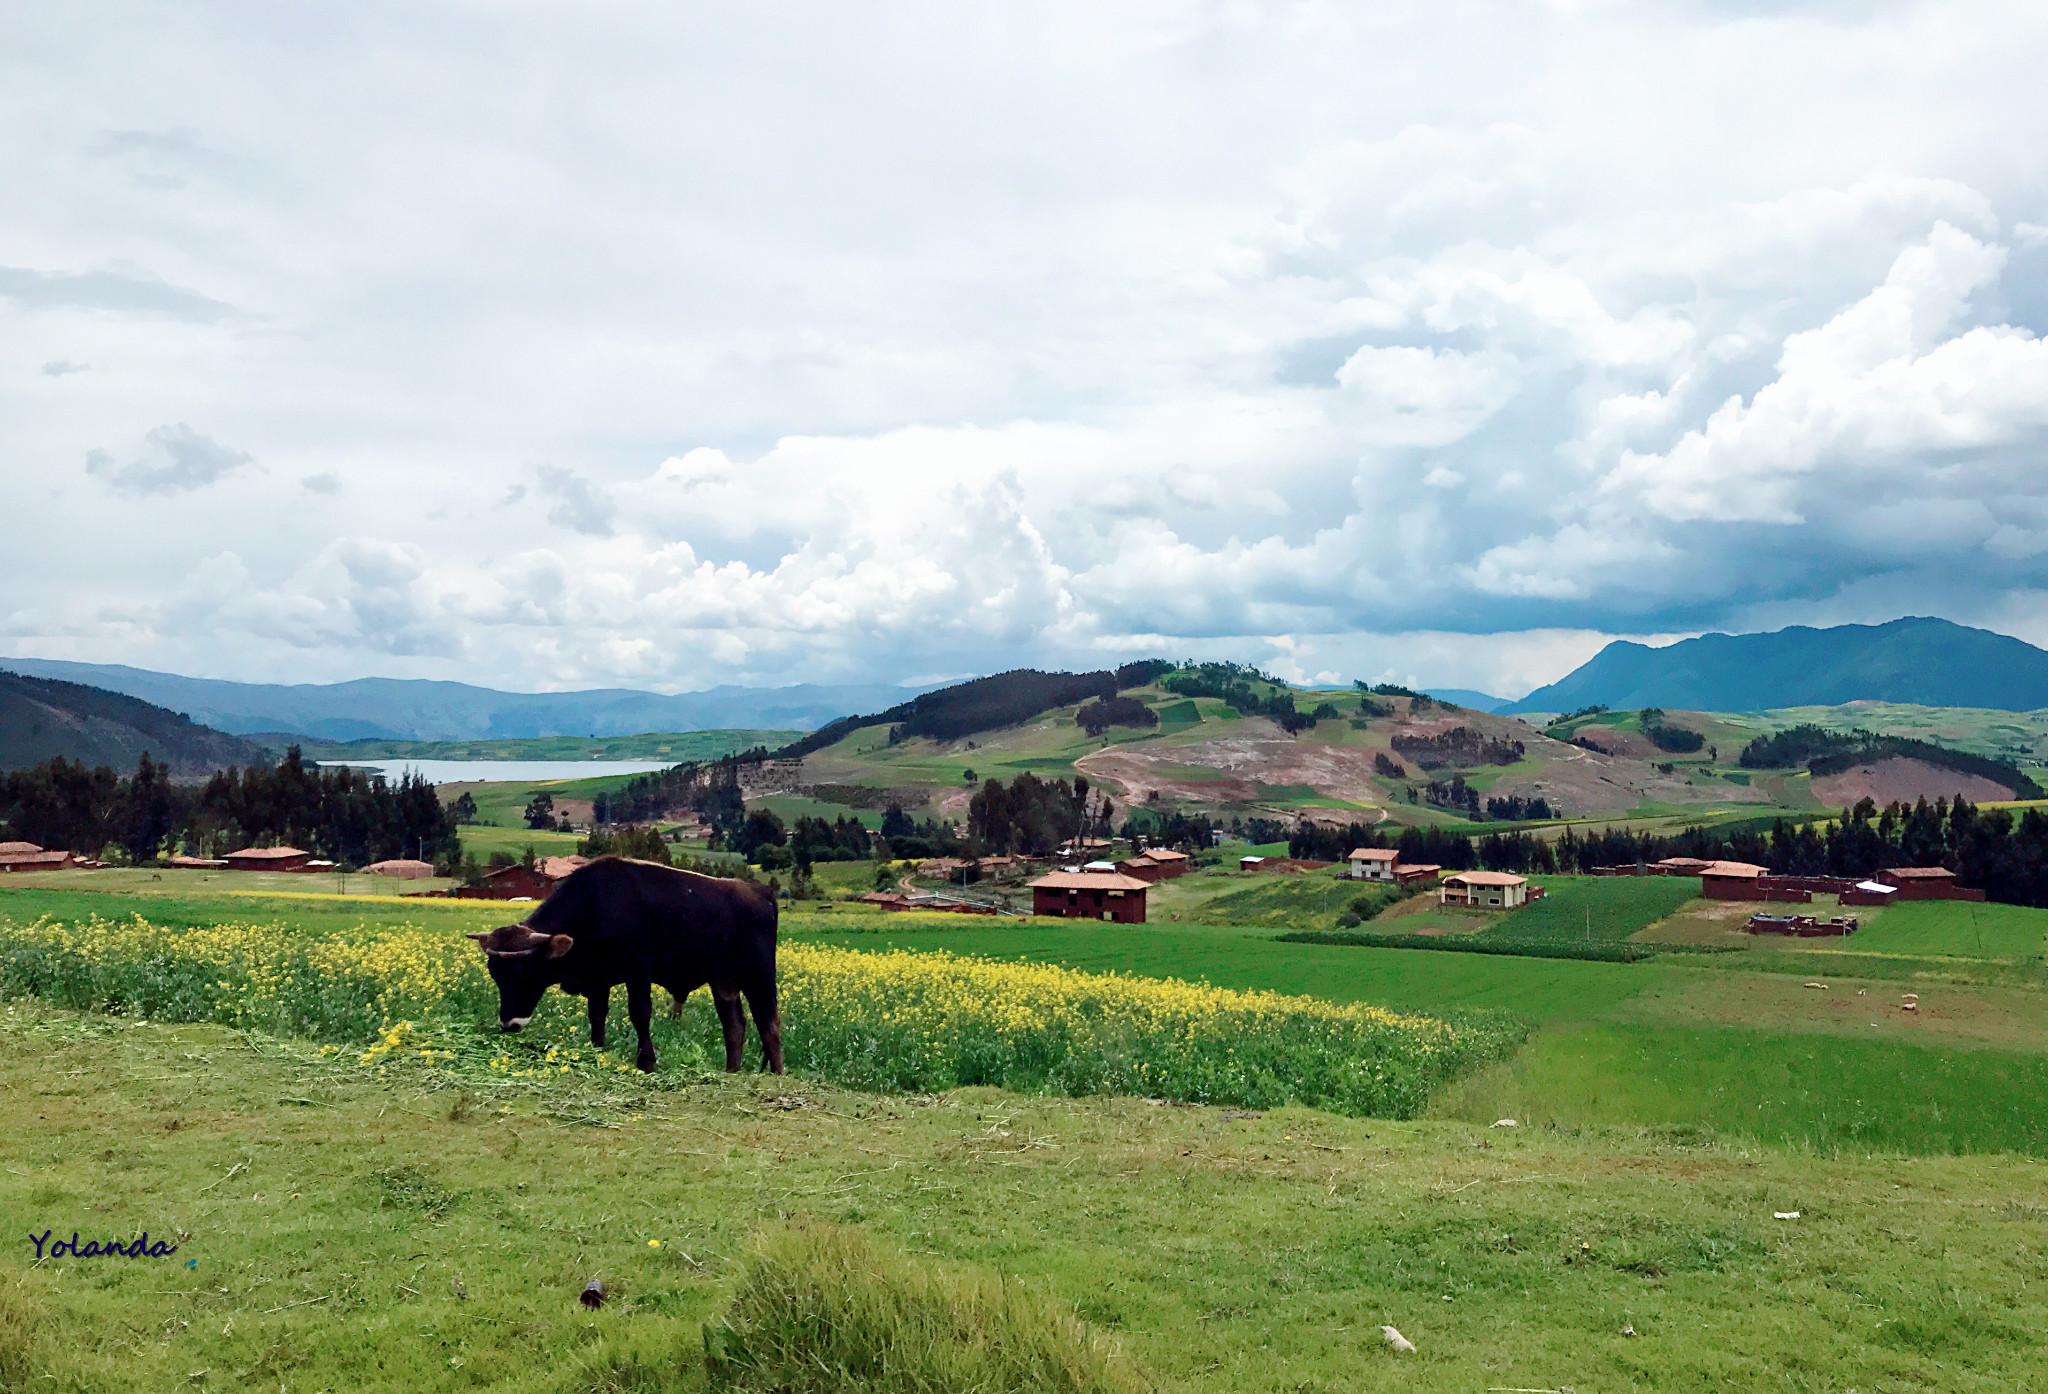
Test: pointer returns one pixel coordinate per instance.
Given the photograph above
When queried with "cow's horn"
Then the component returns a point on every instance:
(481, 935)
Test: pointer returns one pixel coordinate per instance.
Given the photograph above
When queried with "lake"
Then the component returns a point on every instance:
(502, 771)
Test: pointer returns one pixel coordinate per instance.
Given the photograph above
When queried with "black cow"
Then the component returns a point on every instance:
(620, 921)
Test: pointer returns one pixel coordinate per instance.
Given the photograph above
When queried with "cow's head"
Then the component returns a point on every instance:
(522, 964)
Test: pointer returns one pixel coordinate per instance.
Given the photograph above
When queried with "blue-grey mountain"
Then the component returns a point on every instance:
(413, 710)
(1927, 662)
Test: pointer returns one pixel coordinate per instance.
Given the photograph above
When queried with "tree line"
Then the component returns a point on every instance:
(348, 816)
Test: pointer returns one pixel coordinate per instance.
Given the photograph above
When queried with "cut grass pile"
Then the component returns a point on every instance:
(913, 1022)
(821, 1310)
(375, 1235)
(1814, 1092)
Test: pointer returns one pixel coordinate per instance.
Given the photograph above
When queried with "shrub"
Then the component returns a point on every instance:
(820, 1310)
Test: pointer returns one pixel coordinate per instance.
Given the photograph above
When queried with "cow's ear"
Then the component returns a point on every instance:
(559, 945)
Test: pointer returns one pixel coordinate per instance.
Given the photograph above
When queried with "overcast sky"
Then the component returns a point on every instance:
(664, 345)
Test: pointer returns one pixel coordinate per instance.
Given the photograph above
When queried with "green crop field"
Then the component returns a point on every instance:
(1818, 1092)
(1597, 908)
(1954, 927)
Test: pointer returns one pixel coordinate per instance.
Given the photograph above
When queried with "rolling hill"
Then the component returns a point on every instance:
(41, 718)
(413, 710)
(1921, 661)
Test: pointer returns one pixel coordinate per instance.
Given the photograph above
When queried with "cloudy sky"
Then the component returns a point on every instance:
(664, 345)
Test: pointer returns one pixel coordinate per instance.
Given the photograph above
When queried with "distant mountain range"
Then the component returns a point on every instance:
(1926, 662)
(410, 710)
(41, 718)
(1467, 698)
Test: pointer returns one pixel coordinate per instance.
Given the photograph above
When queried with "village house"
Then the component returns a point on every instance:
(1372, 863)
(1731, 880)
(1485, 890)
(1090, 895)
(1157, 864)
(1384, 864)
(1925, 883)
(26, 856)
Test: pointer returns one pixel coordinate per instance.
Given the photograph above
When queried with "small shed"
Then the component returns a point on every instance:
(1170, 863)
(1090, 895)
(268, 859)
(1486, 890)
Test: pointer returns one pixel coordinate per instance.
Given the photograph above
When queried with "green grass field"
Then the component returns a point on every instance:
(1810, 1091)
(1597, 908)
(1954, 927)
(350, 1232)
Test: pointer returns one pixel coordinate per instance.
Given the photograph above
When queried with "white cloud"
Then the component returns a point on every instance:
(912, 341)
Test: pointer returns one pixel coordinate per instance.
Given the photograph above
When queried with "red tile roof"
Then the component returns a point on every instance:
(1488, 878)
(1090, 881)
(6, 847)
(266, 854)
(1740, 871)
(1920, 873)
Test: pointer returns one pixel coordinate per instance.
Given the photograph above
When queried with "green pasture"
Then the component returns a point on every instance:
(1813, 1091)
(1597, 908)
(1959, 928)
(344, 1230)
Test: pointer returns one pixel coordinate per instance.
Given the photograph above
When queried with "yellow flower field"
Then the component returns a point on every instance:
(895, 1021)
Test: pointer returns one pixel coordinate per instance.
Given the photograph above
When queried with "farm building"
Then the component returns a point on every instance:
(1925, 883)
(402, 869)
(1486, 890)
(555, 868)
(1731, 880)
(1385, 864)
(185, 863)
(33, 859)
(1090, 895)
(509, 883)
(1372, 863)
(269, 859)
(1155, 865)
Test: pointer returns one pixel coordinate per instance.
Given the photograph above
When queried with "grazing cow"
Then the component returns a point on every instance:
(619, 921)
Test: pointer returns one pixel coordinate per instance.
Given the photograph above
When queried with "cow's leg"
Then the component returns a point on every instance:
(675, 1003)
(600, 1008)
(768, 1022)
(734, 1022)
(640, 1007)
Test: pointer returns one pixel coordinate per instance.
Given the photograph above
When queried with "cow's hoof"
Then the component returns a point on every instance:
(646, 1064)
